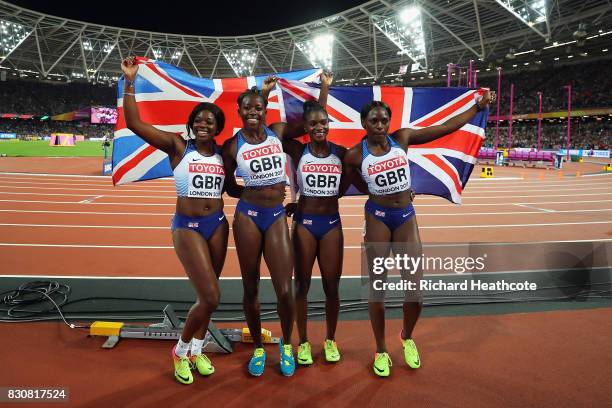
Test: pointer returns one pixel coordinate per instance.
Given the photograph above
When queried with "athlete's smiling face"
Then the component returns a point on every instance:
(204, 126)
(317, 126)
(376, 122)
(253, 112)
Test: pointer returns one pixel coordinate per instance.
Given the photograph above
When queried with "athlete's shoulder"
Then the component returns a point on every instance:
(354, 155)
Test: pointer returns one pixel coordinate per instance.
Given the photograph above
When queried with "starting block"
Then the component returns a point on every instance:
(608, 167)
(215, 341)
(266, 336)
(487, 172)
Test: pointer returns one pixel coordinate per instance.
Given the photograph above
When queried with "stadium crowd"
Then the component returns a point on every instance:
(591, 134)
(44, 98)
(590, 88)
(27, 129)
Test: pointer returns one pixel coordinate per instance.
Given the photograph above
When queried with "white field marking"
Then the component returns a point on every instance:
(551, 224)
(53, 175)
(536, 208)
(597, 175)
(446, 205)
(62, 186)
(69, 188)
(343, 205)
(469, 197)
(173, 195)
(551, 183)
(90, 200)
(62, 181)
(488, 180)
(263, 277)
(170, 197)
(343, 215)
(266, 277)
(75, 246)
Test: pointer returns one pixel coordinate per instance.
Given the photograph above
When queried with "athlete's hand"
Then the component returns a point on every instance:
(412, 195)
(290, 209)
(488, 98)
(326, 78)
(268, 84)
(129, 68)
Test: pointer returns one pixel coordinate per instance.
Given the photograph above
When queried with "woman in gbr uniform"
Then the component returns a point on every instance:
(260, 223)
(317, 228)
(382, 163)
(199, 227)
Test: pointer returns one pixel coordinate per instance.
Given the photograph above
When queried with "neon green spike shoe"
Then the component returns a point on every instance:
(411, 354)
(182, 368)
(304, 354)
(332, 355)
(202, 363)
(382, 364)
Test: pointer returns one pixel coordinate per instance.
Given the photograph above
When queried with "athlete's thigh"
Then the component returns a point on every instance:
(377, 247)
(407, 242)
(218, 247)
(304, 251)
(278, 252)
(249, 241)
(193, 252)
(331, 253)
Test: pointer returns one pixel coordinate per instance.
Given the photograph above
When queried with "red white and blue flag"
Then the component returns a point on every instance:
(166, 95)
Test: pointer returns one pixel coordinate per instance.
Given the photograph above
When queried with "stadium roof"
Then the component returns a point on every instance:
(373, 41)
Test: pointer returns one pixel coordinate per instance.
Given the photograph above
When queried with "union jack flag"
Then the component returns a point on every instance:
(166, 95)
(441, 167)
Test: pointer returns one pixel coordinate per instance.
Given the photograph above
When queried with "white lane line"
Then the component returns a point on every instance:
(343, 215)
(488, 180)
(75, 246)
(265, 277)
(597, 175)
(419, 198)
(549, 224)
(169, 197)
(535, 208)
(90, 200)
(172, 195)
(110, 190)
(5, 244)
(61, 183)
(53, 175)
(417, 205)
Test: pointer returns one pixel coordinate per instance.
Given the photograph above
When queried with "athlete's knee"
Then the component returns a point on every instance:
(251, 293)
(302, 286)
(284, 294)
(331, 290)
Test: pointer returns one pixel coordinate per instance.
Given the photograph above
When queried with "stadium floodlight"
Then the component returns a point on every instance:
(167, 54)
(405, 30)
(11, 36)
(97, 49)
(241, 60)
(531, 12)
(318, 50)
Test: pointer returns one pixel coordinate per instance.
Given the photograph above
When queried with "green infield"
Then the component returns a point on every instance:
(41, 148)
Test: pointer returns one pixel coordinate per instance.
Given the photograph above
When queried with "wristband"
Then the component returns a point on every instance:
(127, 93)
(129, 84)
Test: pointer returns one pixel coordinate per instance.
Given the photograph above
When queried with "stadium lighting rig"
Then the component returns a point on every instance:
(241, 60)
(318, 50)
(405, 30)
(167, 54)
(11, 36)
(531, 12)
